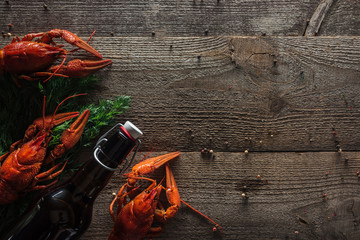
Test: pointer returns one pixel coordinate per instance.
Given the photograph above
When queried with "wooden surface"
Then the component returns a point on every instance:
(231, 76)
(256, 93)
(179, 17)
(237, 93)
(286, 202)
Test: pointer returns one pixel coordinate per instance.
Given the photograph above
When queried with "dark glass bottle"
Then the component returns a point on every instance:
(65, 212)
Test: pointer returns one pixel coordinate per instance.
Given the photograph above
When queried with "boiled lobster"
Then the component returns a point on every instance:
(134, 218)
(20, 169)
(31, 60)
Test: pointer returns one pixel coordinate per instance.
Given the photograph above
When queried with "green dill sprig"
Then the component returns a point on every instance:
(20, 106)
(101, 115)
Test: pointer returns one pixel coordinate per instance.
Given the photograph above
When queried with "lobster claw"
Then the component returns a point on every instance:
(43, 124)
(172, 193)
(51, 121)
(72, 135)
(69, 137)
(73, 40)
(149, 165)
(80, 68)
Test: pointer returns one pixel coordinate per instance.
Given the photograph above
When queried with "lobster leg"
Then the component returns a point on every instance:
(39, 75)
(76, 68)
(79, 68)
(173, 197)
(161, 215)
(69, 137)
(41, 187)
(120, 202)
(120, 199)
(172, 193)
(48, 175)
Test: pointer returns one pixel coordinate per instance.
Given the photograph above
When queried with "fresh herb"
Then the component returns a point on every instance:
(20, 106)
(101, 115)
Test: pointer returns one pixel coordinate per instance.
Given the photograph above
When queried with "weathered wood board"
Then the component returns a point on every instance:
(286, 202)
(232, 94)
(179, 17)
(231, 76)
(256, 93)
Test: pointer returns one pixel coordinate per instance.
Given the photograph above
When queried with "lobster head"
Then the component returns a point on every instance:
(145, 203)
(32, 151)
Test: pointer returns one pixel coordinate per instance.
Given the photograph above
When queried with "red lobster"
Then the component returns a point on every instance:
(20, 169)
(134, 219)
(32, 60)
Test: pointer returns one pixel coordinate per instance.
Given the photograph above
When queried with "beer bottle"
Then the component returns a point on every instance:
(65, 212)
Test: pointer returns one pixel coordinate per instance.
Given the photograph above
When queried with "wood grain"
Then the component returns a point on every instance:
(177, 18)
(232, 94)
(348, 11)
(286, 202)
(316, 19)
(230, 76)
(237, 93)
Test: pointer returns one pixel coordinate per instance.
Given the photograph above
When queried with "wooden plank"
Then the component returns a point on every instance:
(315, 22)
(178, 18)
(232, 94)
(286, 202)
(169, 18)
(349, 13)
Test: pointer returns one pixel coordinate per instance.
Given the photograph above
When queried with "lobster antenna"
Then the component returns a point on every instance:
(139, 178)
(161, 183)
(76, 95)
(152, 149)
(44, 111)
(91, 36)
(208, 218)
(62, 63)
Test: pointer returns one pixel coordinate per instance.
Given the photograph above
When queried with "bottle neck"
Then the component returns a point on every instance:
(93, 176)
